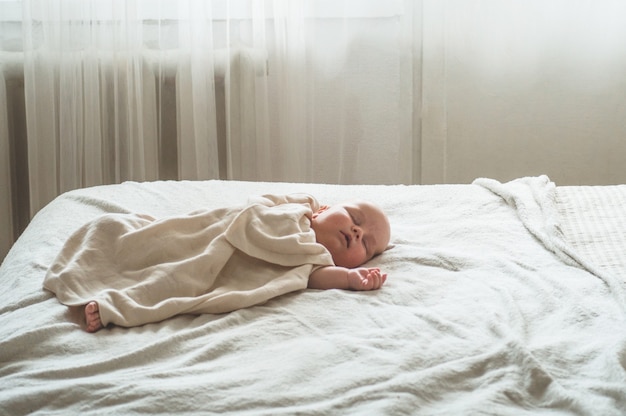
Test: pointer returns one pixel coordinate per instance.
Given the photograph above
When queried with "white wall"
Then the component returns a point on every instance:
(511, 91)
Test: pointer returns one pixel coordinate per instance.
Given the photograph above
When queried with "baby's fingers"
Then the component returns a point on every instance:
(383, 279)
(375, 279)
(369, 279)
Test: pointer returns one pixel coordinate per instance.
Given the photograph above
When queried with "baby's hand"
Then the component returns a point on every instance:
(363, 278)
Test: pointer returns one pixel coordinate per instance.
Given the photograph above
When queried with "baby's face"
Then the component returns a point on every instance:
(353, 233)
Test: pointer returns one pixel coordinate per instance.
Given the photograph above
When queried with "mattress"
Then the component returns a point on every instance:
(501, 298)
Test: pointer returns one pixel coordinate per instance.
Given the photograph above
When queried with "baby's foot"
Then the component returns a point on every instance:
(92, 317)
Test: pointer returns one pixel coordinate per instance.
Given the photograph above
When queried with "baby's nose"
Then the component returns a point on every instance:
(357, 231)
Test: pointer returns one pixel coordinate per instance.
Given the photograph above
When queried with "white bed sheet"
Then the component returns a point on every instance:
(487, 309)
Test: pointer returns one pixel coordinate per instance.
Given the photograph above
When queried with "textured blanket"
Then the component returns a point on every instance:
(487, 309)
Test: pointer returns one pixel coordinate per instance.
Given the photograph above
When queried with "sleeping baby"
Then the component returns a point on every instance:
(129, 269)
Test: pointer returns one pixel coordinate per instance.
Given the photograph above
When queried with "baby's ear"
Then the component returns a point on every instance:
(320, 210)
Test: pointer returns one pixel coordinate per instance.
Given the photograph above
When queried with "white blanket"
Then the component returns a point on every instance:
(486, 311)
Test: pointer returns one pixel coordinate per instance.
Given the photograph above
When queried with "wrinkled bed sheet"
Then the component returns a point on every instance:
(488, 309)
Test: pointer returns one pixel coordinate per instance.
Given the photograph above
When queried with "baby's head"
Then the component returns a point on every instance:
(352, 232)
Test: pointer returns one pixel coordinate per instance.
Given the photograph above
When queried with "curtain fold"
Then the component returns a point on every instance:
(6, 195)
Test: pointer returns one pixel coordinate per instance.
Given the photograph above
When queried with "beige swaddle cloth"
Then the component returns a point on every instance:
(140, 269)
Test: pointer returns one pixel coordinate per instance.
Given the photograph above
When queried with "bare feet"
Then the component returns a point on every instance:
(92, 317)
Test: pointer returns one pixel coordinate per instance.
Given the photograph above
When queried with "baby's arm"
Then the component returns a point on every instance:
(333, 277)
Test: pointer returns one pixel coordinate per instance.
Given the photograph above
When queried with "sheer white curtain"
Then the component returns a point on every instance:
(313, 91)
(276, 90)
(96, 74)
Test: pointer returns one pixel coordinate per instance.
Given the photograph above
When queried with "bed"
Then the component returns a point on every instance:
(502, 298)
